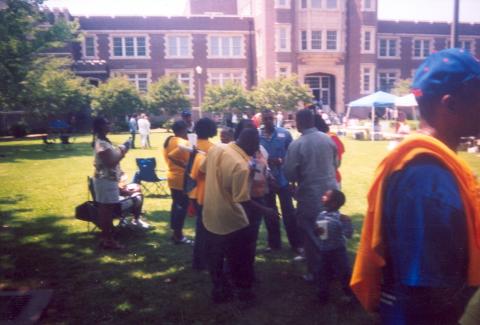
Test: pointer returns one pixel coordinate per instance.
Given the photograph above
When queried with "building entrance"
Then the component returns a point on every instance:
(322, 87)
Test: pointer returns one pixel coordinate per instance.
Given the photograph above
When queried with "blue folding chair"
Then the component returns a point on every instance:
(148, 178)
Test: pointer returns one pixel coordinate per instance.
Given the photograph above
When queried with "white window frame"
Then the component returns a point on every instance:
(279, 66)
(462, 43)
(136, 72)
(176, 73)
(288, 41)
(373, 6)
(226, 75)
(389, 71)
(430, 47)
(373, 43)
(135, 46)
(388, 39)
(278, 5)
(371, 86)
(337, 40)
(325, 5)
(230, 37)
(307, 4)
(177, 44)
(324, 40)
(84, 47)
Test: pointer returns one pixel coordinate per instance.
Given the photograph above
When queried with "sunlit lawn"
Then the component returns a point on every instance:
(43, 246)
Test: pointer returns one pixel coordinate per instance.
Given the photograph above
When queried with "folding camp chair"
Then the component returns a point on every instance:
(148, 178)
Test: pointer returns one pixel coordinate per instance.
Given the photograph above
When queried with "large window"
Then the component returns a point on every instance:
(318, 40)
(368, 39)
(387, 79)
(316, 4)
(178, 46)
(387, 48)
(129, 46)
(421, 48)
(331, 39)
(226, 46)
(368, 5)
(282, 34)
(183, 77)
(316, 43)
(367, 85)
(89, 47)
(467, 45)
(331, 4)
(282, 4)
(140, 79)
(222, 77)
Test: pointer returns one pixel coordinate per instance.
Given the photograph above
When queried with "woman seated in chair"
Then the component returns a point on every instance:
(106, 180)
(131, 200)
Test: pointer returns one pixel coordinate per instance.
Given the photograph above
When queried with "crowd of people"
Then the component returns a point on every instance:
(419, 256)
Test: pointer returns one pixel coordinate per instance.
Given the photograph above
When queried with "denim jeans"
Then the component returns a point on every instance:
(178, 212)
(288, 216)
(332, 263)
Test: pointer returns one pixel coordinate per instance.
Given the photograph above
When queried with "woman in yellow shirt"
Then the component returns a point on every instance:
(205, 129)
(176, 161)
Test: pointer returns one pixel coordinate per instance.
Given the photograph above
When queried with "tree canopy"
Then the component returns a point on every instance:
(223, 98)
(116, 98)
(53, 89)
(402, 87)
(283, 93)
(25, 31)
(167, 95)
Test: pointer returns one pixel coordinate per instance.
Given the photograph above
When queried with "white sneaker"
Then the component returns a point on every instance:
(142, 224)
(299, 258)
(308, 277)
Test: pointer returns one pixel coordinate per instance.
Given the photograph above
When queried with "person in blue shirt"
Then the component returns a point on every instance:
(133, 128)
(332, 230)
(276, 141)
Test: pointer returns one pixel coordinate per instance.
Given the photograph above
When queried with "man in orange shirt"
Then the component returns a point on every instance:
(176, 160)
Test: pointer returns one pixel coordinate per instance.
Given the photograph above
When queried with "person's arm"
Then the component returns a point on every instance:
(347, 227)
(109, 156)
(291, 163)
(252, 205)
(179, 157)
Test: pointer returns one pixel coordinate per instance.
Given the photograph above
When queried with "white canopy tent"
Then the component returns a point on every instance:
(407, 101)
(376, 100)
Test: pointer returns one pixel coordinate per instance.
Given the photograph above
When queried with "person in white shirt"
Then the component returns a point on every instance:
(144, 130)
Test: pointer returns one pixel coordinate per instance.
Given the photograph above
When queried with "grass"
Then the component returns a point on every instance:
(43, 246)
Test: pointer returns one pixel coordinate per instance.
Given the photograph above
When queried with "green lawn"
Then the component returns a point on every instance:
(43, 246)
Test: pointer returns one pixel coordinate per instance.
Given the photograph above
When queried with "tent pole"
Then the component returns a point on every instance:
(373, 123)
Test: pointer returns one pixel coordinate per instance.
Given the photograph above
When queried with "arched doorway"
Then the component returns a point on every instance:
(322, 86)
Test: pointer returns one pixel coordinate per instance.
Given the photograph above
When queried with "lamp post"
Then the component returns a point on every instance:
(199, 70)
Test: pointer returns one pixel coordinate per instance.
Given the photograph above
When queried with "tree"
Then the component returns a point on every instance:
(283, 93)
(53, 89)
(223, 98)
(25, 31)
(116, 98)
(402, 87)
(167, 95)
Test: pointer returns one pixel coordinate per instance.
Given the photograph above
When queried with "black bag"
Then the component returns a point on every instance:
(87, 211)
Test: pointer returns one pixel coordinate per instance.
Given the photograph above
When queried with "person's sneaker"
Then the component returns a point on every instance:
(182, 241)
(308, 277)
(143, 224)
(299, 258)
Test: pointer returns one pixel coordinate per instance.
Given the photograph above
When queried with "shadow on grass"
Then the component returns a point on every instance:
(11, 152)
(149, 282)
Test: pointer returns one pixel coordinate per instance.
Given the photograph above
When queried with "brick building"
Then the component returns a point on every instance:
(337, 47)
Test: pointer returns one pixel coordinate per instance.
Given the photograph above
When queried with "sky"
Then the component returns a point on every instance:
(419, 10)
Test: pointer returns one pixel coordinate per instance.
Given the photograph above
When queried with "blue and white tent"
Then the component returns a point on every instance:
(376, 100)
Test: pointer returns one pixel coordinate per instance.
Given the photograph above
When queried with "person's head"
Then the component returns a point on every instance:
(100, 126)
(249, 141)
(333, 200)
(134, 115)
(267, 119)
(243, 124)
(143, 115)
(320, 124)
(305, 119)
(205, 128)
(180, 129)
(187, 117)
(447, 89)
(226, 135)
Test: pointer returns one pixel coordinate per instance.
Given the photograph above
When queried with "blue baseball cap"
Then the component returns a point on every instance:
(444, 72)
(186, 113)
